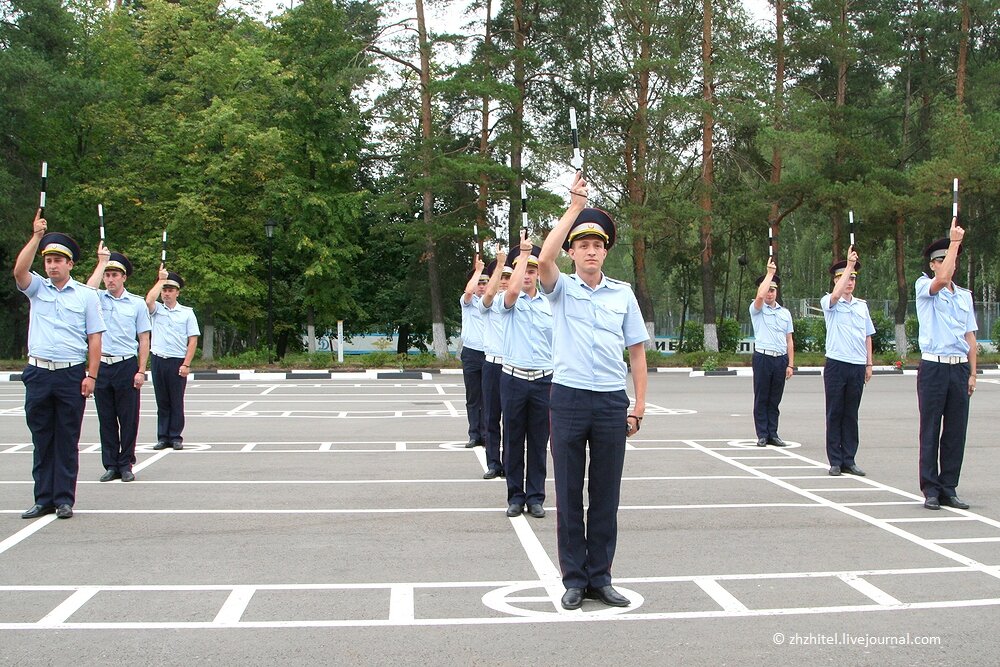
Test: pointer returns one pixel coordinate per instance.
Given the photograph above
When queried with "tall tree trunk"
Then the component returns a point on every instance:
(963, 55)
(637, 148)
(779, 111)
(439, 335)
(902, 286)
(521, 28)
(484, 130)
(707, 183)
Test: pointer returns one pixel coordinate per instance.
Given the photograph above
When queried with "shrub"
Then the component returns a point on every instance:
(884, 338)
(694, 337)
(809, 334)
(729, 335)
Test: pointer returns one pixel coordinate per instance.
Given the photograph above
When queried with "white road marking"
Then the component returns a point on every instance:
(869, 590)
(68, 607)
(401, 604)
(26, 532)
(235, 605)
(237, 409)
(722, 597)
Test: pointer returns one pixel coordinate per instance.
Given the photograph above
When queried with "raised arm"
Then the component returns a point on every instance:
(845, 277)
(494, 284)
(154, 292)
(765, 284)
(470, 287)
(941, 280)
(22, 266)
(548, 271)
(103, 255)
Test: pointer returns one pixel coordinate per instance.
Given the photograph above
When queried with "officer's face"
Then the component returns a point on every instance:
(588, 254)
(849, 288)
(771, 296)
(114, 281)
(57, 267)
(504, 281)
(480, 289)
(169, 294)
(530, 276)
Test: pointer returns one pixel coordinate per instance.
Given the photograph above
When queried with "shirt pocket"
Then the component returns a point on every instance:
(579, 307)
(73, 312)
(610, 317)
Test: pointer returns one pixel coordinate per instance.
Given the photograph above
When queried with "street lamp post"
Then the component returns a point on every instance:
(269, 230)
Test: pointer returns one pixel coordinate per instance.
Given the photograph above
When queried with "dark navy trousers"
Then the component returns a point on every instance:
(525, 437)
(843, 384)
(768, 386)
(491, 413)
(168, 387)
(943, 399)
(118, 413)
(472, 374)
(53, 408)
(580, 417)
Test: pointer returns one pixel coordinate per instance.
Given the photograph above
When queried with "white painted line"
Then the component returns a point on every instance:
(451, 408)
(151, 460)
(546, 570)
(931, 519)
(269, 390)
(69, 606)
(234, 606)
(440, 388)
(845, 489)
(869, 590)
(17, 448)
(237, 409)
(26, 532)
(966, 540)
(400, 446)
(792, 468)
(722, 597)
(325, 446)
(401, 604)
(248, 447)
(91, 449)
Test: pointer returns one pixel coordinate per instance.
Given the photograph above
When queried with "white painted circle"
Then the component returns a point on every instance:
(504, 600)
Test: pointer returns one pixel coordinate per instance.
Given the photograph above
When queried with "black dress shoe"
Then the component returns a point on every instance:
(834, 470)
(776, 441)
(128, 476)
(514, 509)
(36, 511)
(762, 442)
(572, 598)
(932, 503)
(503, 475)
(609, 596)
(853, 470)
(954, 501)
(109, 475)
(161, 444)
(64, 512)
(491, 474)
(536, 510)
(177, 444)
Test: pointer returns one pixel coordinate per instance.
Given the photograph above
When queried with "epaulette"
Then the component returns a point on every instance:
(618, 282)
(964, 289)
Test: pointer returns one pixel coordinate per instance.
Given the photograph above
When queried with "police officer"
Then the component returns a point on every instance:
(175, 339)
(64, 354)
(946, 378)
(848, 367)
(472, 354)
(773, 358)
(593, 319)
(122, 373)
(493, 337)
(525, 383)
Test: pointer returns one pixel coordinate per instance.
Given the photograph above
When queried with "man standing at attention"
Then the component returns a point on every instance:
(773, 358)
(124, 352)
(472, 355)
(946, 378)
(593, 319)
(64, 355)
(848, 367)
(175, 338)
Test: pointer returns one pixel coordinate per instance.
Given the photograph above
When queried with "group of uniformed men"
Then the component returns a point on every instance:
(83, 341)
(946, 377)
(542, 352)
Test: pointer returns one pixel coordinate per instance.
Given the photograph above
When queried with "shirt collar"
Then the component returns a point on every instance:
(603, 283)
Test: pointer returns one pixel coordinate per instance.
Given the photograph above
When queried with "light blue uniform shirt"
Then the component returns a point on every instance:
(848, 325)
(528, 340)
(944, 319)
(473, 323)
(171, 330)
(771, 325)
(126, 318)
(61, 319)
(494, 326)
(590, 330)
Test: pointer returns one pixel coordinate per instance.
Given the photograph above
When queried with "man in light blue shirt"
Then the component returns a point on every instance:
(494, 334)
(525, 383)
(594, 318)
(946, 379)
(64, 353)
(472, 355)
(124, 352)
(174, 341)
(848, 367)
(773, 359)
